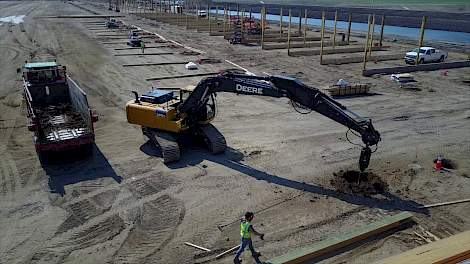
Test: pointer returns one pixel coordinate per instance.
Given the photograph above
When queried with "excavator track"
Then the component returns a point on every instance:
(166, 143)
(214, 140)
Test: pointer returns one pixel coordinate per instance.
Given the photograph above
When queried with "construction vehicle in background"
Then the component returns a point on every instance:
(242, 26)
(165, 117)
(112, 23)
(60, 116)
(134, 39)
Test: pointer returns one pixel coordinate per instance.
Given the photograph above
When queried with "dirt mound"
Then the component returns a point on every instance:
(366, 183)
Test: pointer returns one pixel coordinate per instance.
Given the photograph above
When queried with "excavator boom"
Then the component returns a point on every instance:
(301, 95)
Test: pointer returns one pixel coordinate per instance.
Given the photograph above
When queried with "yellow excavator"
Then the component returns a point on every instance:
(165, 116)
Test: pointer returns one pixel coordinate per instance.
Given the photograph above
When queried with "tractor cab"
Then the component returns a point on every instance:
(44, 73)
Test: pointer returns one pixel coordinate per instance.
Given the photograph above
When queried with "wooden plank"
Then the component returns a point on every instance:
(146, 47)
(360, 59)
(155, 64)
(144, 54)
(336, 50)
(227, 251)
(114, 42)
(445, 203)
(82, 16)
(452, 249)
(182, 76)
(196, 246)
(307, 253)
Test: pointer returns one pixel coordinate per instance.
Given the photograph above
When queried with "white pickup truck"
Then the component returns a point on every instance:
(426, 54)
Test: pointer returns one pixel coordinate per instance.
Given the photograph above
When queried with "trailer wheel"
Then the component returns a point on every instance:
(442, 58)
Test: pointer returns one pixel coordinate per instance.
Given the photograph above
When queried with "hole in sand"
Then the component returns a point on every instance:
(351, 181)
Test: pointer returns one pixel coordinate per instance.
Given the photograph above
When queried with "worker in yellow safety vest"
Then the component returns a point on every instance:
(246, 229)
(142, 46)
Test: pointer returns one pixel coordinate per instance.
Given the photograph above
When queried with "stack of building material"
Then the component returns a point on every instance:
(454, 249)
(350, 89)
(334, 244)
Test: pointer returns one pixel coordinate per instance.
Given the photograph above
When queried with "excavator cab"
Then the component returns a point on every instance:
(158, 109)
(206, 114)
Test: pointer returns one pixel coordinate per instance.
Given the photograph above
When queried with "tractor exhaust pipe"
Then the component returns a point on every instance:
(137, 101)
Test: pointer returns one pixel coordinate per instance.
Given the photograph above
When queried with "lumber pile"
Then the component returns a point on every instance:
(331, 245)
(354, 89)
(453, 249)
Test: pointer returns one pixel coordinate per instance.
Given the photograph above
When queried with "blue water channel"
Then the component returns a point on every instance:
(411, 33)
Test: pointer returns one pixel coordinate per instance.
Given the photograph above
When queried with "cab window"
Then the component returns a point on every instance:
(184, 95)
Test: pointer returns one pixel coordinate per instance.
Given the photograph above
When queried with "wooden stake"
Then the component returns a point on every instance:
(334, 30)
(421, 37)
(305, 26)
(244, 29)
(197, 16)
(225, 18)
(322, 35)
(186, 22)
(372, 34)
(349, 26)
(229, 25)
(300, 21)
(155, 15)
(288, 32)
(262, 28)
(209, 18)
(382, 30)
(366, 44)
(280, 23)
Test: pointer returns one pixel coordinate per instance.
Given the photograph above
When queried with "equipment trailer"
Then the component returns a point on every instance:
(60, 116)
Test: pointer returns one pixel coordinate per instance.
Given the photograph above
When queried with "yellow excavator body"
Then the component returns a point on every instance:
(161, 116)
(158, 116)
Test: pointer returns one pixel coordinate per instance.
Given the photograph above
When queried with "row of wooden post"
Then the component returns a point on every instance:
(368, 46)
(370, 38)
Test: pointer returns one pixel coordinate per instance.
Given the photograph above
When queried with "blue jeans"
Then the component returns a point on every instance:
(244, 243)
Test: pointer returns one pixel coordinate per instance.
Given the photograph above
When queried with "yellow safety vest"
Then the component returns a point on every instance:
(245, 229)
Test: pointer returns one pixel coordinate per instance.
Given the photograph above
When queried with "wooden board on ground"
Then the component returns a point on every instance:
(182, 76)
(155, 64)
(445, 203)
(453, 249)
(196, 246)
(304, 254)
(144, 54)
(227, 251)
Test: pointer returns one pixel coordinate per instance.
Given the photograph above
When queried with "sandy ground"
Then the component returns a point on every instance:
(123, 205)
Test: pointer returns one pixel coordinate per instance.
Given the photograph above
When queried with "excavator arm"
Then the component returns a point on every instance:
(301, 95)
